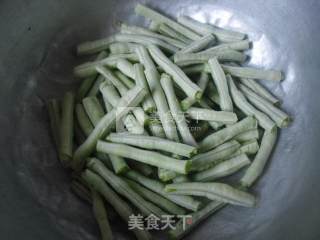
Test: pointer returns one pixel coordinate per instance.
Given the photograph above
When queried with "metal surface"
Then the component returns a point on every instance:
(36, 60)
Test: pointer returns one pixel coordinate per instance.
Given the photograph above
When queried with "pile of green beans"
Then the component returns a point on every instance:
(163, 115)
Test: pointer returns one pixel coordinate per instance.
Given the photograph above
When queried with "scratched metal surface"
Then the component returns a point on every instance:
(36, 58)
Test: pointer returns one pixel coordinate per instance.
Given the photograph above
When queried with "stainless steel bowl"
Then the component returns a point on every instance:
(37, 45)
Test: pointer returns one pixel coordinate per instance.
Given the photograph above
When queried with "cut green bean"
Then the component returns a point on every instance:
(214, 124)
(146, 40)
(132, 98)
(157, 199)
(206, 160)
(228, 133)
(126, 68)
(241, 72)
(166, 175)
(95, 113)
(89, 68)
(143, 31)
(168, 31)
(100, 214)
(260, 90)
(182, 228)
(54, 117)
(83, 120)
(124, 79)
(202, 83)
(247, 72)
(250, 147)
(156, 143)
(223, 35)
(190, 88)
(199, 44)
(259, 162)
(138, 112)
(122, 47)
(119, 165)
(94, 46)
(184, 59)
(221, 84)
(88, 82)
(223, 169)
(160, 100)
(148, 104)
(146, 60)
(212, 115)
(124, 189)
(155, 16)
(93, 109)
(248, 135)
(112, 96)
(278, 116)
(176, 112)
(94, 90)
(242, 103)
(121, 207)
(148, 157)
(66, 128)
(158, 187)
(214, 191)
(238, 46)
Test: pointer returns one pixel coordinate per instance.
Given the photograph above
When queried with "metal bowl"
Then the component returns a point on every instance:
(37, 55)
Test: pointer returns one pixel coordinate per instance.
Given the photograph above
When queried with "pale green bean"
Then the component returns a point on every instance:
(157, 199)
(190, 88)
(148, 157)
(100, 214)
(148, 104)
(83, 120)
(278, 116)
(202, 83)
(259, 162)
(221, 84)
(88, 82)
(184, 59)
(155, 16)
(206, 160)
(223, 35)
(140, 30)
(260, 90)
(89, 68)
(121, 207)
(158, 187)
(66, 128)
(122, 187)
(222, 169)
(242, 103)
(212, 115)
(93, 109)
(156, 143)
(214, 191)
(223, 135)
(105, 125)
(176, 112)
